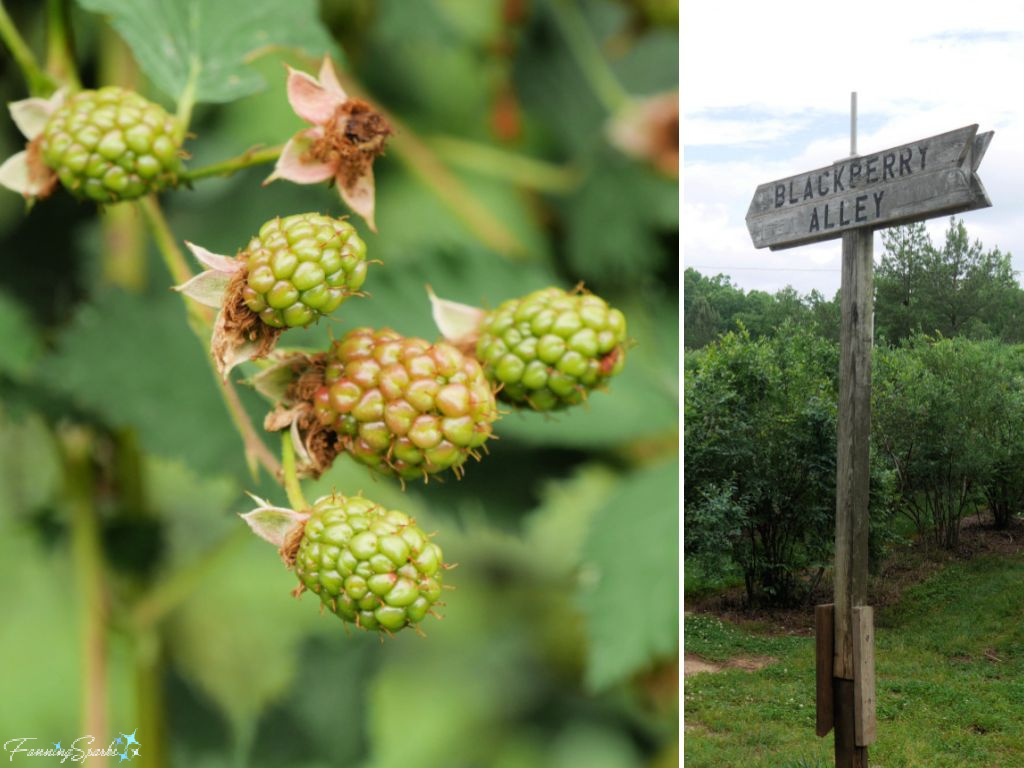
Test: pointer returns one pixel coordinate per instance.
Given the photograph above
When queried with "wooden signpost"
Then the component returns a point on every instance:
(851, 198)
(920, 180)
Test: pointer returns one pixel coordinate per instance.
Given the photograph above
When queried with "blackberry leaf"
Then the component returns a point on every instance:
(215, 39)
(629, 587)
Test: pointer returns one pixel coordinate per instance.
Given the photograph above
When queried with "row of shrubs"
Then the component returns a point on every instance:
(947, 429)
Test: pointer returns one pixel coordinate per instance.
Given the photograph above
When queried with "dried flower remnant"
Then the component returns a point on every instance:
(292, 380)
(25, 172)
(649, 130)
(346, 136)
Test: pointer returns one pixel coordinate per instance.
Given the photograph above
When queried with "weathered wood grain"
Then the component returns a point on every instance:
(923, 179)
(852, 457)
(824, 641)
(865, 722)
(847, 753)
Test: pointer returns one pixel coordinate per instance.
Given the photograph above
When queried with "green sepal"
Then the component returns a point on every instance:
(271, 523)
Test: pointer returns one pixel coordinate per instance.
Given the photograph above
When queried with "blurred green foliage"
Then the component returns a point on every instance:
(559, 644)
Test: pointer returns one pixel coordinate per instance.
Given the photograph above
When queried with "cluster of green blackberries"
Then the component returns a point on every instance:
(403, 406)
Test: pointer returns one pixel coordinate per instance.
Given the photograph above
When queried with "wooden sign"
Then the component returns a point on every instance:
(850, 199)
(920, 180)
(864, 678)
(824, 644)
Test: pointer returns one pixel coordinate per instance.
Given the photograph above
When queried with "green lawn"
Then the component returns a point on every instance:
(950, 681)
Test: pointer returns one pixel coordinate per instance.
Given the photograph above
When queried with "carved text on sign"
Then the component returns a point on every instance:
(922, 179)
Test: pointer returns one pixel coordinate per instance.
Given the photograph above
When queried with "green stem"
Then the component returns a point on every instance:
(38, 82)
(509, 166)
(149, 696)
(78, 448)
(187, 101)
(245, 735)
(60, 58)
(453, 193)
(584, 50)
(201, 321)
(124, 236)
(171, 591)
(116, 65)
(227, 167)
(291, 477)
(124, 248)
(200, 318)
(256, 452)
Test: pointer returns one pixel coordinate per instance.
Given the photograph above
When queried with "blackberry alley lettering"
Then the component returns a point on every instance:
(917, 180)
(851, 174)
(858, 210)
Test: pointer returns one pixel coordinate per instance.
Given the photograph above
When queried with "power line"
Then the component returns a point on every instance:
(765, 269)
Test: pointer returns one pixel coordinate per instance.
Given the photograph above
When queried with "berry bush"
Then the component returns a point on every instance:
(420, 360)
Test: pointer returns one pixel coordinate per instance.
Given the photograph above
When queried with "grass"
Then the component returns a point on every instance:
(950, 681)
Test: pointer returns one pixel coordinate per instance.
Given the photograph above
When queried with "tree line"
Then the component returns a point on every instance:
(760, 398)
(958, 289)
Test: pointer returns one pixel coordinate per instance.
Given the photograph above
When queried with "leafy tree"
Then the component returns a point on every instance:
(958, 289)
(1004, 485)
(713, 306)
(935, 409)
(701, 324)
(760, 457)
(709, 303)
(764, 313)
(824, 314)
(897, 282)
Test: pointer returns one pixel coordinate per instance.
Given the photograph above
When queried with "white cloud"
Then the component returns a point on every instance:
(758, 76)
(702, 131)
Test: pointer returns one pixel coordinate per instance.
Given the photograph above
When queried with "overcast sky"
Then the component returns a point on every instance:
(765, 94)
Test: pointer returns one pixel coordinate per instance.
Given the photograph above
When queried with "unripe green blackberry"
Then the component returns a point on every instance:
(301, 267)
(371, 566)
(550, 348)
(111, 144)
(403, 405)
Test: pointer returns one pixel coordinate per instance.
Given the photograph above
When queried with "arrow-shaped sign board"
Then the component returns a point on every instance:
(920, 180)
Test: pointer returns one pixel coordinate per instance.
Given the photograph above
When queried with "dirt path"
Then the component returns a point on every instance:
(694, 664)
